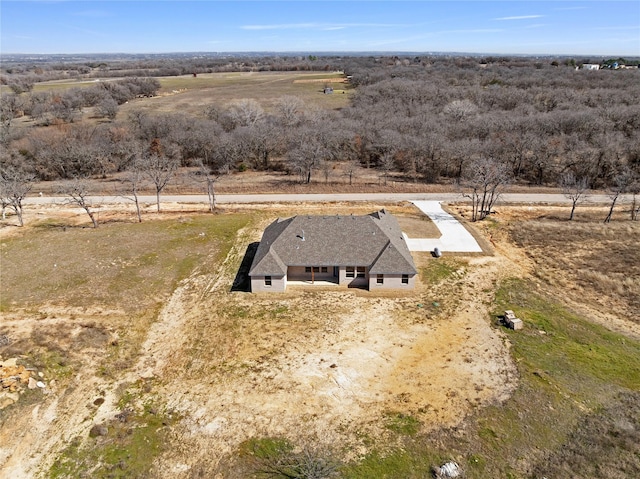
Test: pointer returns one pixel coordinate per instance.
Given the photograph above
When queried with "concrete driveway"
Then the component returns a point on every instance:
(455, 237)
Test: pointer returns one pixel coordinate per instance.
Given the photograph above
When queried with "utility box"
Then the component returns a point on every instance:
(511, 320)
(516, 324)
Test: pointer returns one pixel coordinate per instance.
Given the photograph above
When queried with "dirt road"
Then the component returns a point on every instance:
(347, 197)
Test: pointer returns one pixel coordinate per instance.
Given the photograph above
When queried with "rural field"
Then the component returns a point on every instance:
(154, 361)
(188, 94)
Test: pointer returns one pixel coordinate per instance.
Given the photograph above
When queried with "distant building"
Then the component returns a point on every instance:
(365, 251)
(590, 66)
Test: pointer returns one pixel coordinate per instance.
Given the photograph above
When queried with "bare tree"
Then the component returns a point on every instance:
(309, 149)
(159, 169)
(387, 163)
(621, 183)
(15, 185)
(290, 110)
(10, 107)
(227, 154)
(305, 159)
(634, 189)
(246, 112)
(484, 179)
(459, 110)
(107, 108)
(326, 168)
(204, 172)
(77, 191)
(4, 204)
(133, 179)
(350, 170)
(260, 142)
(574, 188)
(21, 85)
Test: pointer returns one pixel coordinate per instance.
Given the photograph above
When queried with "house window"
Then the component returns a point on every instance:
(316, 269)
(405, 279)
(323, 269)
(380, 279)
(361, 271)
(307, 269)
(351, 271)
(267, 280)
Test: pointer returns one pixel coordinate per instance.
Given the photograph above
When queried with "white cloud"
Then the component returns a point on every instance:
(519, 17)
(319, 26)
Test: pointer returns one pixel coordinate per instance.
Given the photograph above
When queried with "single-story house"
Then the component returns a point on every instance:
(359, 251)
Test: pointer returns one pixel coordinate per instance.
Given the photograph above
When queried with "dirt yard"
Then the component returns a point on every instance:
(326, 365)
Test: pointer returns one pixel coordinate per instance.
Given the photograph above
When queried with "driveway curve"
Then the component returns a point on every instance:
(454, 236)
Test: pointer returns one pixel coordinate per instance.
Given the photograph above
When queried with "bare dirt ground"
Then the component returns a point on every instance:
(333, 376)
(325, 364)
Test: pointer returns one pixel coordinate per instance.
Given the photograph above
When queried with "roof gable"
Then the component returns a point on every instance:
(392, 261)
(266, 261)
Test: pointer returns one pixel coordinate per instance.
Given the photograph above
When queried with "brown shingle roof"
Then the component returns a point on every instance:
(373, 240)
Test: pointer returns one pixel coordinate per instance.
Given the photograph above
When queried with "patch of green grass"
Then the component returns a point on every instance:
(279, 310)
(574, 354)
(121, 265)
(440, 270)
(54, 364)
(401, 423)
(395, 464)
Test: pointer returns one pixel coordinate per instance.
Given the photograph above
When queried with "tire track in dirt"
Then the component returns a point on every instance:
(66, 414)
(165, 339)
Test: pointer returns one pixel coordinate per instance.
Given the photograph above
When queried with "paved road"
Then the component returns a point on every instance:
(295, 198)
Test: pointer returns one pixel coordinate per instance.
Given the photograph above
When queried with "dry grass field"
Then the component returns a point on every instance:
(150, 353)
(587, 258)
(191, 94)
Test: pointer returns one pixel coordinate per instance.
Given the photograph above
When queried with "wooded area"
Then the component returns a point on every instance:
(424, 119)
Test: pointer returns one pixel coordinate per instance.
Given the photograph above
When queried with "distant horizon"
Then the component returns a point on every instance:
(293, 53)
(534, 28)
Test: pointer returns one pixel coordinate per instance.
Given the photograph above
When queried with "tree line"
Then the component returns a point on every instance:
(53, 107)
(477, 123)
(21, 74)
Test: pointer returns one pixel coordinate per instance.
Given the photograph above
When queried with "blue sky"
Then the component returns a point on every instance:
(602, 28)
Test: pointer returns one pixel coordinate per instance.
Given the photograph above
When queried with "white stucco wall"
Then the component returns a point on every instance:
(391, 281)
(278, 284)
